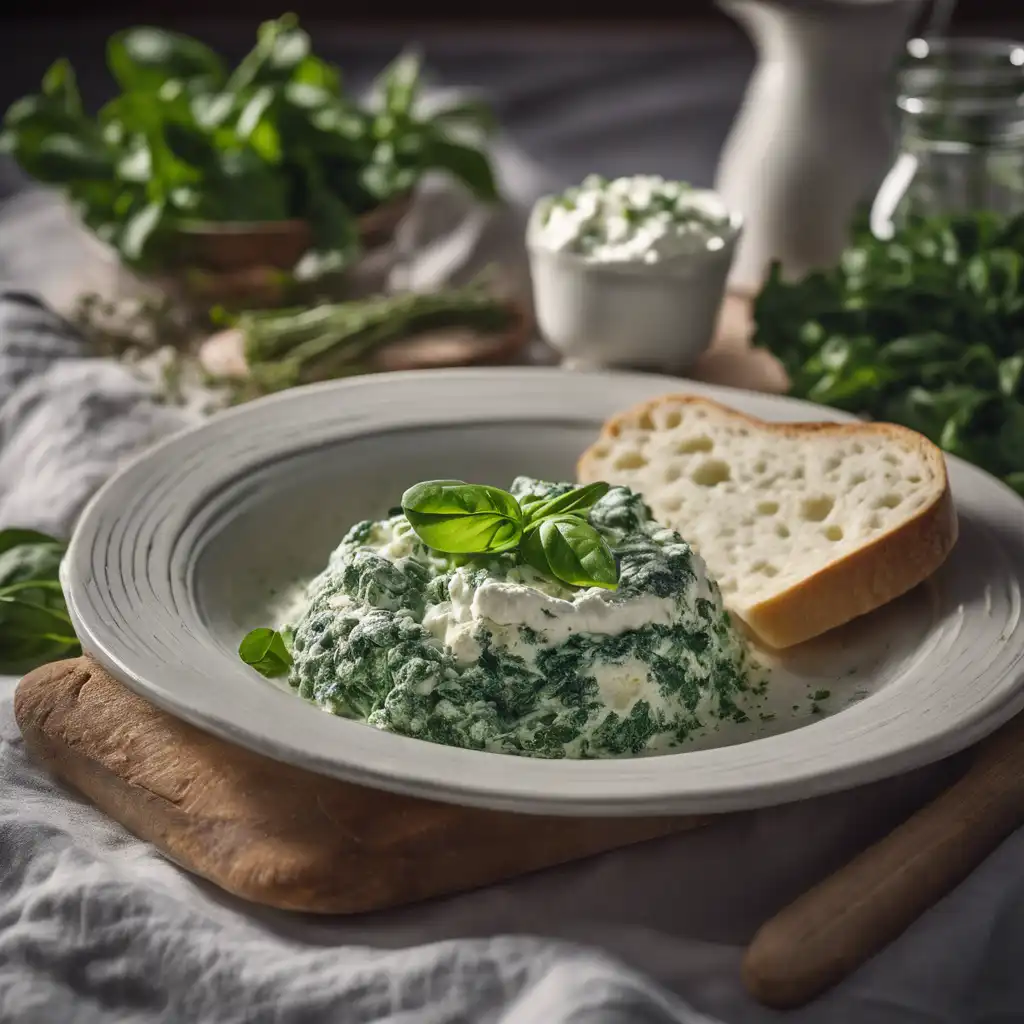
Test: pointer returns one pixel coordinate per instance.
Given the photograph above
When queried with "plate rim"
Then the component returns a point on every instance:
(754, 793)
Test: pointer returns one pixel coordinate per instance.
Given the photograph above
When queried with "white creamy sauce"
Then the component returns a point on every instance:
(638, 219)
(501, 616)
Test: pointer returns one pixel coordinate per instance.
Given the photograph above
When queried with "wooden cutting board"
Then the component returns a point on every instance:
(274, 834)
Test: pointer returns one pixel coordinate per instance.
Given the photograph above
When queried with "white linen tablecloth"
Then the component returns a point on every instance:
(97, 927)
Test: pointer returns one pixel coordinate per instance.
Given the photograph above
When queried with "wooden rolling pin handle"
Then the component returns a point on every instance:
(829, 931)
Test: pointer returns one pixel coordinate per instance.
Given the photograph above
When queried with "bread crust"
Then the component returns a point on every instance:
(864, 579)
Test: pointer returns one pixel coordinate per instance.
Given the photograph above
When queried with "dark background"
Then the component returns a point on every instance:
(575, 92)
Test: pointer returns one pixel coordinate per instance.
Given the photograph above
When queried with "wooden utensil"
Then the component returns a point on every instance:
(833, 928)
(275, 834)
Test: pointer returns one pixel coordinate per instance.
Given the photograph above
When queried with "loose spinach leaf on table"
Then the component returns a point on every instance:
(925, 329)
(275, 138)
(34, 622)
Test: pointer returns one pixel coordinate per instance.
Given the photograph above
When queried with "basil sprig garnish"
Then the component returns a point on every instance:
(457, 518)
(268, 651)
(552, 535)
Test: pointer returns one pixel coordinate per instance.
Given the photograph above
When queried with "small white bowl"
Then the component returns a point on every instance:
(652, 316)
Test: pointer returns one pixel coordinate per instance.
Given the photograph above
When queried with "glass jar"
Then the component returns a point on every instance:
(961, 112)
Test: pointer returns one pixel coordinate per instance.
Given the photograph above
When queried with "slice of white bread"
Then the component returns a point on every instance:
(804, 525)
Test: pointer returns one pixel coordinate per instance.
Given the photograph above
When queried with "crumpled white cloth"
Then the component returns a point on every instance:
(97, 927)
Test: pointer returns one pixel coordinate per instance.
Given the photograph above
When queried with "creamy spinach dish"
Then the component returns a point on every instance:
(559, 622)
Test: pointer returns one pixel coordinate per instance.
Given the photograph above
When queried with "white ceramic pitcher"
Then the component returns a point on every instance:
(814, 133)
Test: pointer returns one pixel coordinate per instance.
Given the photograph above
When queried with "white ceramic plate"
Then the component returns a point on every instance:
(186, 549)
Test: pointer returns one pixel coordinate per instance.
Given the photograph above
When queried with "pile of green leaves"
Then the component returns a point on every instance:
(34, 623)
(275, 138)
(925, 330)
(468, 521)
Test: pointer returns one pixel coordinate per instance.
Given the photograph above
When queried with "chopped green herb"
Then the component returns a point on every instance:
(923, 330)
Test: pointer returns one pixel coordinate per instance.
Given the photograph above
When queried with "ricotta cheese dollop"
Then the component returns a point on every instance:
(638, 219)
(492, 655)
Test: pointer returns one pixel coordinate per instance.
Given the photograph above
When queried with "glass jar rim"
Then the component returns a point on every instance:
(965, 77)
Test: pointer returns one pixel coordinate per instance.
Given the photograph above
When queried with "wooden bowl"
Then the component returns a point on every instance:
(229, 247)
(247, 265)
(232, 247)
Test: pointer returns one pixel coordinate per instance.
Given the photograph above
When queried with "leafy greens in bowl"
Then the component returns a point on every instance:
(276, 138)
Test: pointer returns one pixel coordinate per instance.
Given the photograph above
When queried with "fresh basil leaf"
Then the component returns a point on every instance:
(399, 84)
(1016, 481)
(570, 549)
(467, 165)
(190, 145)
(315, 72)
(16, 536)
(1011, 372)
(577, 502)
(37, 563)
(30, 567)
(59, 158)
(144, 58)
(244, 188)
(454, 517)
(31, 634)
(60, 85)
(334, 227)
(140, 231)
(267, 651)
(210, 110)
(281, 47)
(467, 114)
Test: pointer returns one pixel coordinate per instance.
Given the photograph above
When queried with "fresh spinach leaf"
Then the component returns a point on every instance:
(454, 517)
(570, 549)
(268, 651)
(34, 623)
(144, 58)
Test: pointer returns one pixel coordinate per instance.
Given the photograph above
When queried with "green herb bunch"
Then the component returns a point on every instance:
(286, 347)
(273, 139)
(34, 622)
(468, 521)
(551, 535)
(925, 330)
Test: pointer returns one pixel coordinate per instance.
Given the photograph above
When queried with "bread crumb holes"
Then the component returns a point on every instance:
(711, 473)
(629, 460)
(695, 444)
(814, 510)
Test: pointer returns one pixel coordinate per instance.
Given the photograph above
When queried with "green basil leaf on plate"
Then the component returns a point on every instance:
(571, 550)
(578, 501)
(454, 517)
(267, 651)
